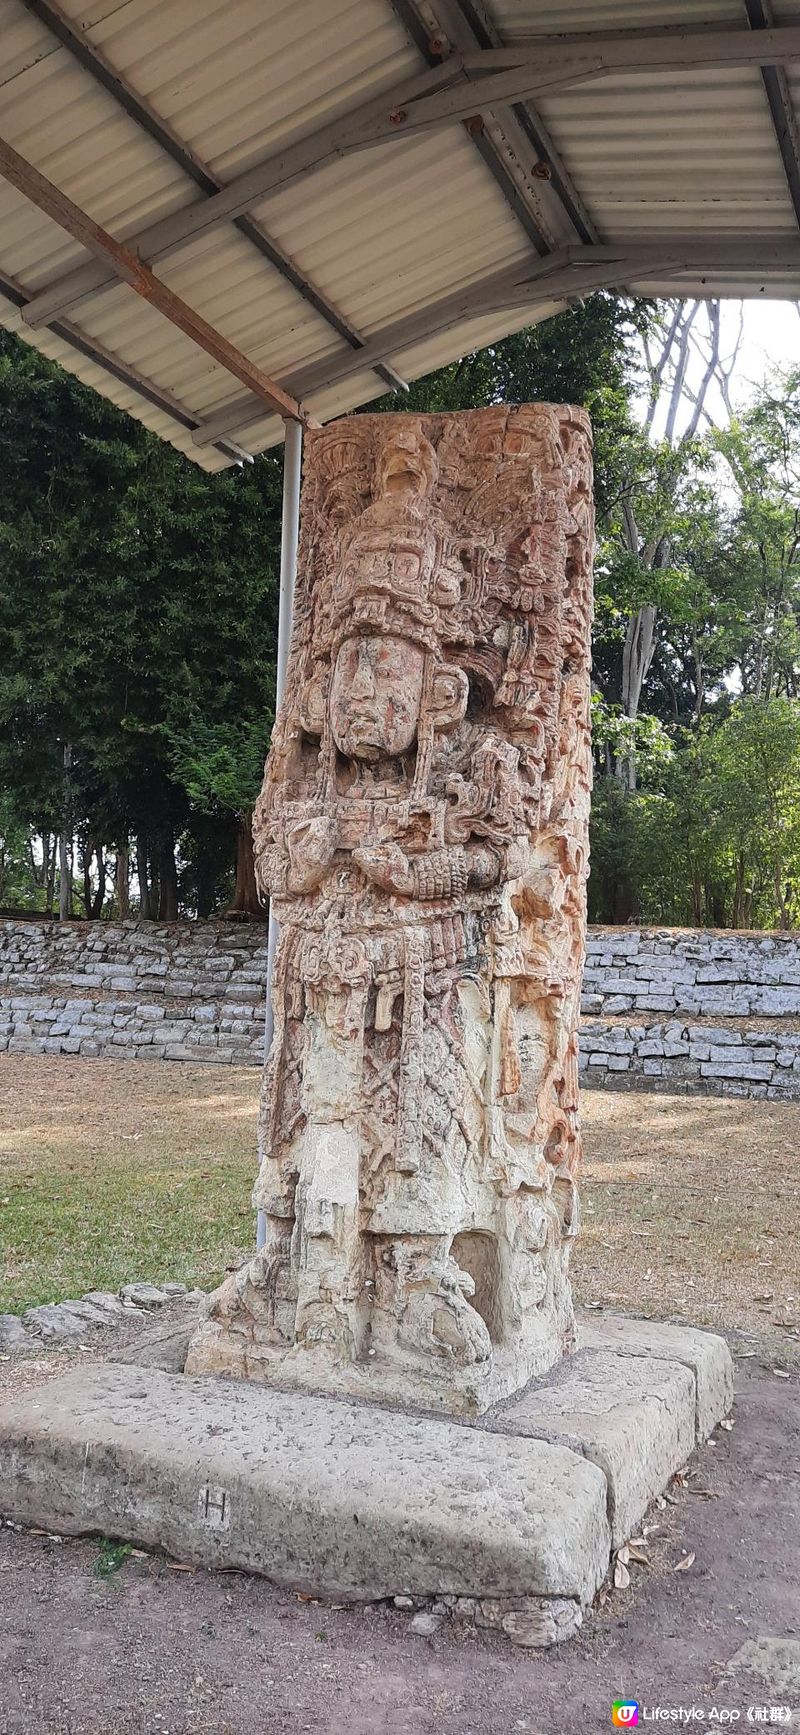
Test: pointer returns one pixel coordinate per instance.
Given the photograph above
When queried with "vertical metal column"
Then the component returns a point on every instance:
(290, 527)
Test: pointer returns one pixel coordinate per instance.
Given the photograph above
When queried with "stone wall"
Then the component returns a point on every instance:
(665, 1010)
(677, 1057)
(691, 1010)
(703, 973)
(134, 990)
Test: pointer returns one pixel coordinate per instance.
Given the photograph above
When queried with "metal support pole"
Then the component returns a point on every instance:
(290, 527)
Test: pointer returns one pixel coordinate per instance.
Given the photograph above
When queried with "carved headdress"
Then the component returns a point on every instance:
(398, 573)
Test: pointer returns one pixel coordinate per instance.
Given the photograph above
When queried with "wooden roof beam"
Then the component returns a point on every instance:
(78, 44)
(113, 365)
(138, 276)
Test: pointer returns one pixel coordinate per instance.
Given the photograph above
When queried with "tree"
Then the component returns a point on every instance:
(647, 520)
(137, 603)
(762, 452)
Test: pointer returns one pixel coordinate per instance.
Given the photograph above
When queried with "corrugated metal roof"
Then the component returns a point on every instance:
(382, 234)
(517, 19)
(654, 155)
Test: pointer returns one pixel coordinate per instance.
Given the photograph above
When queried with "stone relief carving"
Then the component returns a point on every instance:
(422, 831)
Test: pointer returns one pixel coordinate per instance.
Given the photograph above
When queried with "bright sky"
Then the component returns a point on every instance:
(771, 339)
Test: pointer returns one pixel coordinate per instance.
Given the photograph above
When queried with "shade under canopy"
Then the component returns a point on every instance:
(220, 215)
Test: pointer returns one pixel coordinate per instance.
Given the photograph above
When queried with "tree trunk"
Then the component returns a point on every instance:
(739, 894)
(49, 872)
(122, 882)
(64, 878)
(100, 895)
(246, 904)
(88, 852)
(145, 907)
(637, 655)
(65, 842)
(780, 899)
(168, 878)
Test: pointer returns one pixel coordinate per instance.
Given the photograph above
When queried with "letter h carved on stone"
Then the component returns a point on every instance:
(422, 833)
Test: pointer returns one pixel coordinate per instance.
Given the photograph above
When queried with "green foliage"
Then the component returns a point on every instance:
(111, 1556)
(220, 763)
(717, 842)
(18, 887)
(642, 739)
(137, 618)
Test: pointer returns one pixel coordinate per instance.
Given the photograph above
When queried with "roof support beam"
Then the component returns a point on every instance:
(371, 124)
(455, 90)
(111, 364)
(467, 24)
(545, 64)
(514, 193)
(130, 270)
(781, 107)
(94, 62)
(573, 270)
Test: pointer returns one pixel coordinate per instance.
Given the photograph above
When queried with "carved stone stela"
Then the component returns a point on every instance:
(422, 832)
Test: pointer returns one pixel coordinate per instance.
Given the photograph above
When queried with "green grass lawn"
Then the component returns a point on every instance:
(111, 1172)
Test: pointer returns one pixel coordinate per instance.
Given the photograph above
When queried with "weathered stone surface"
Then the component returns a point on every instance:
(144, 1294)
(422, 834)
(425, 1624)
(696, 1057)
(105, 1301)
(318, 1495)
(632, 1416)
(704, 1352)
(774, 1661)
(534, 1623)
(698, 972)
(60, 1321)
(164, 1347)
(14, 1338)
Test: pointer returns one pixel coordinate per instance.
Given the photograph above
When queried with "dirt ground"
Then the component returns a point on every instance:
(154, 1650)
(691, 1213)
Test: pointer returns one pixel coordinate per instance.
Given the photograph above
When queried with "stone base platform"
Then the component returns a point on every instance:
(513, 1518)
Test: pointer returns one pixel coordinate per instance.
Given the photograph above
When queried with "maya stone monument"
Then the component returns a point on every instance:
(422, 833)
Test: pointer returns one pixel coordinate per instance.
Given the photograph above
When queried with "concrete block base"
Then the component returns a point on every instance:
(511, 1519)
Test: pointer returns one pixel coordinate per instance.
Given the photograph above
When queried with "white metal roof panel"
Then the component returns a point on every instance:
(520, 18)
(382, 234)
(658, 154)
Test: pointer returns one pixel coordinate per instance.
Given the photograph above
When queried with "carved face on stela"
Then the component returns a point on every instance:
(380, 684)
(376, 696)
(387, 671)
(413, 558)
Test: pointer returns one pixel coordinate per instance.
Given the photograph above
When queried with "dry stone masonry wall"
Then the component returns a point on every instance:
(686, 1010)
(134, 990)
(664, 1010)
